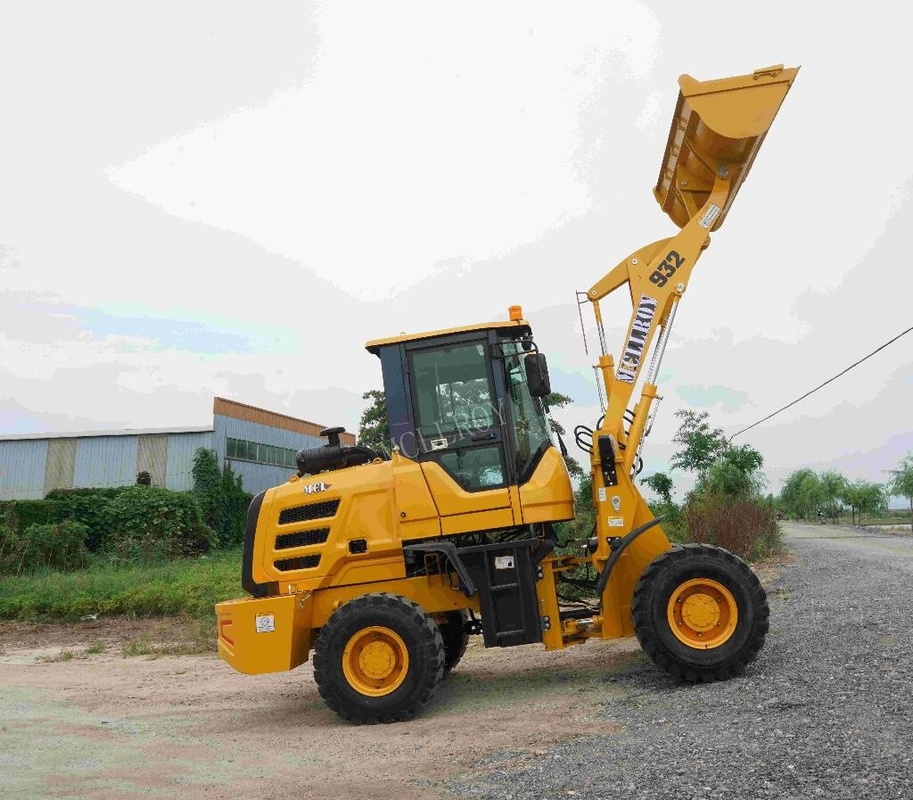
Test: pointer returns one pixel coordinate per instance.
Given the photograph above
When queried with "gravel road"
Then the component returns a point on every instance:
(826, 710)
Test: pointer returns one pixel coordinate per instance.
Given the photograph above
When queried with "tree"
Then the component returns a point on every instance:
(373, 428)
(802, 494)
(661, 484)
(582, 526)
(851, 497)
(558, 400)
(874, 499)
(736, 473)
(700, 445)
(864, 497)
(901, 484)
(832, 483)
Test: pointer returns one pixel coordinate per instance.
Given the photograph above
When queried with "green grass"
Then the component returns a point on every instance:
(137, 647)
(189, 587)
(98, 647)
(892, 517)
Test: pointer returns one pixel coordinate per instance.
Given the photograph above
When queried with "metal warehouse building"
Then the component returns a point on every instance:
(259, 445)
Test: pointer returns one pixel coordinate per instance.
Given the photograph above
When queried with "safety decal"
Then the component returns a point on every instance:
(504, 562)
(266, 623)
(313, 488)
(616, 522)
(602, 494)
(710, 216)
(637, 338)
(616, 502)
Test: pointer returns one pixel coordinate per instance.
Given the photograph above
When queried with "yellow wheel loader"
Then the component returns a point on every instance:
(383, 566)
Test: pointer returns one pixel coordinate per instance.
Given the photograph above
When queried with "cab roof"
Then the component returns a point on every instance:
(521, 326)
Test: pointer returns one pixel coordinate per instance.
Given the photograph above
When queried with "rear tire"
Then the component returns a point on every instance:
(379, 658)
(700, 613)
(453, 632)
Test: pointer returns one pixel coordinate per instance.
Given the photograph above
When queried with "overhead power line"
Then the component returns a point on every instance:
(829, 380)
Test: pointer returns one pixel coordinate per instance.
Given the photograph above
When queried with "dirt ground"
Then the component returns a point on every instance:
(92, 710)
(104, 725)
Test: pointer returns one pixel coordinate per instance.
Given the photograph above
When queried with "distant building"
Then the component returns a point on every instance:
(259, 445)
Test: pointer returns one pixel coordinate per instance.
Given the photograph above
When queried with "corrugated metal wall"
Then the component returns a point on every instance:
(152, 457)
(61, 461)
(22, 469)
(181, 447)
(30, 468)
(258, 477)
(105, 461)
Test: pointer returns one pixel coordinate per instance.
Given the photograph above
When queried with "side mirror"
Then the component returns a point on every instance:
(537, 375)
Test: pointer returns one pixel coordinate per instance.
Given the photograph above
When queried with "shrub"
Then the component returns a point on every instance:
(746, 527)
(149, 524)
(20, 514)
(61, 547)
(7, 548)
(221, 497)
(674, 524)
(87, 506)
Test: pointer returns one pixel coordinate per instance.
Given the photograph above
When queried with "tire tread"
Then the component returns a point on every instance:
(326, 674)
(649, 640)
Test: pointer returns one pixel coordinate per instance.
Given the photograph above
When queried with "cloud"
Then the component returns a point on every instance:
(652, 112)
(400, 149)
(59, 321)
(702, 396)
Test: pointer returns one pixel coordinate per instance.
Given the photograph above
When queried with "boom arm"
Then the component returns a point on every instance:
(717, 129)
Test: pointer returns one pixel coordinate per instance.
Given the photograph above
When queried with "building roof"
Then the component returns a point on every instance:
(221, 406)
(89, 434)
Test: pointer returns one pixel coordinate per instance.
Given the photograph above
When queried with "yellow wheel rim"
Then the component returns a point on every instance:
(703, 613)
(375, 661)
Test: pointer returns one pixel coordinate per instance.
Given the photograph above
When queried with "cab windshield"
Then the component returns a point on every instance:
(531, 428)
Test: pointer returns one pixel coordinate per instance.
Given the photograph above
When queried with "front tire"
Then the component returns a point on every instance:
(379, 658)
(700, 613)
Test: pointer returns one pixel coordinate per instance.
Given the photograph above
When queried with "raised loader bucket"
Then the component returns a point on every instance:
(718, 125)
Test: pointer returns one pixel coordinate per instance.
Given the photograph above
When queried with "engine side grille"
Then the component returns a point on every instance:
(302, 538)
(308, 512)
(302, 562)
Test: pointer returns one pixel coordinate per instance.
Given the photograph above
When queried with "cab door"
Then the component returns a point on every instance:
(460, 432)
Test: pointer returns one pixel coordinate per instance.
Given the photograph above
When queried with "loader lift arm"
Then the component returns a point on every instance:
(717, 129)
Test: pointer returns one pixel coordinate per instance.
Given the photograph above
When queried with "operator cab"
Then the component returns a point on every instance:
(470, 400)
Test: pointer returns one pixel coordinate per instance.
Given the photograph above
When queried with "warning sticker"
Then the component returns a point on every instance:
(504, 562)
(602, 494)
(709, 216)
(616, 522)
(266, 623)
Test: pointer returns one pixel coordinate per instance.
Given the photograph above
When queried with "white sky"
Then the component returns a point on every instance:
(201, 199)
